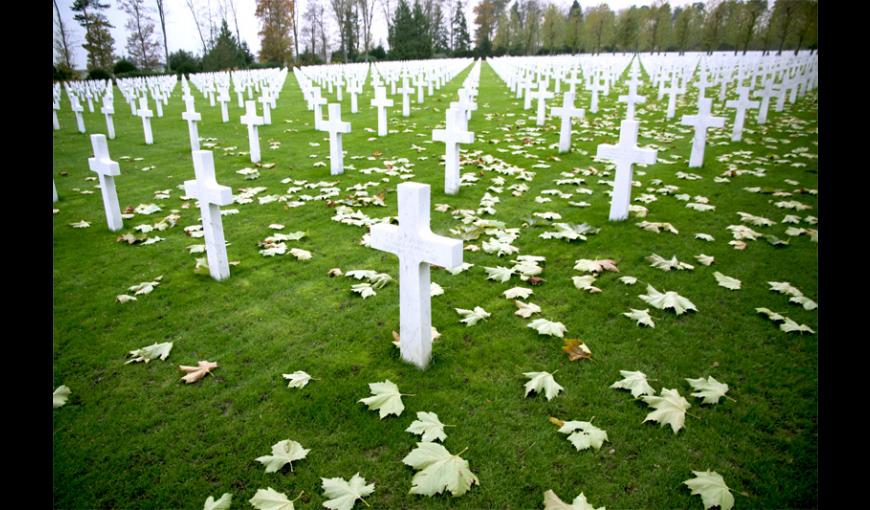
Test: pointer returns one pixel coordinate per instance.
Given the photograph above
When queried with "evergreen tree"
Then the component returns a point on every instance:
(422, 40)
(402, 33)
(440, 44)
(517, 41)
(226, 52)
(574, 28)
(461, 39)
(98, 40)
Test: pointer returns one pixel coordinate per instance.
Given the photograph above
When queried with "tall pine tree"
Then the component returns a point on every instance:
(402, 33)
(461, 38)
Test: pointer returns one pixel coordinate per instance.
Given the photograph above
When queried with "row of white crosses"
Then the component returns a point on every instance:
(204, 188)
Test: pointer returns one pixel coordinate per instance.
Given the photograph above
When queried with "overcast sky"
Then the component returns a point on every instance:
(181, 31)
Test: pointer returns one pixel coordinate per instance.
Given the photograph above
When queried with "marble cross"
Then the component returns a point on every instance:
(672, 91)
(53, 191)
(542, 95)
(55, 108)
(192, 117)
(741, 104)
(417, 247)
(381, 102)
(158, 105)
(77, 109)
(765, 94)
(701, 122)
(108, 110)
(145, 114)
(252, 120)
(317, 101)
(596, 86)
(353, 89)
(211, 197)
(107, 170)
(566, 112)
(466, 102)
(224, 98)
(406, 101)
(453, 134)
(625, 154)
(266, 102)
(336, 127)
(631, 98)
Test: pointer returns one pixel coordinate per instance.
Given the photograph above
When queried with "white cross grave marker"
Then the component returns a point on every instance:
(55, 108)
(157, 103)
(566, 112)
(406, 101)
(106, 169)
(317, 101)
(381, 102)
(625, 154)
(77, 109)
(224, 99)
(353, 89)
(211, 197)
(192, 117)
(631, 98)
(741, 105)
(252, 120)
(336, 127)
(145, 114)
(596, 86)
(542, 95)
(702, 121)
(765, 94)
(417, 247)
(453, 134)
(54, 191)
(267, 114)
(108, 110)
(672, 91)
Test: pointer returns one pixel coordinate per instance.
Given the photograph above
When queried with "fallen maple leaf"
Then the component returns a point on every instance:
(298, 379)
(552, 502)
(709, 389)
(670, 409)
(270, 499)
(344, 493)
(153, 351)
(666, 300)
(583, 434)
(517, 292)
(542, 382)
(576, 349)
(526, 310)
(546, 327)
(438, 470)
(60, 396)
(198, 372)
(385, 398)
(472, 316)
(428, 426)
(221, 504)
(727, 281)
(641, 316)
(635, 382)
(711, 487)
(283, 452)
(596, 266)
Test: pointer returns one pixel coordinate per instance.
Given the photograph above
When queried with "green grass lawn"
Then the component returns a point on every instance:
(135, 436)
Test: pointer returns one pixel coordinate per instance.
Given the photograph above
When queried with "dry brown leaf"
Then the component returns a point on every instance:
(576, 349)
(334, 272)
(198, 372)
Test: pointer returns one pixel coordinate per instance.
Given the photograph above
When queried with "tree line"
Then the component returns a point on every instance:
(341, 31)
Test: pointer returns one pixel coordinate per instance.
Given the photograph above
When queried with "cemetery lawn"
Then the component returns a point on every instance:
(135, 436)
